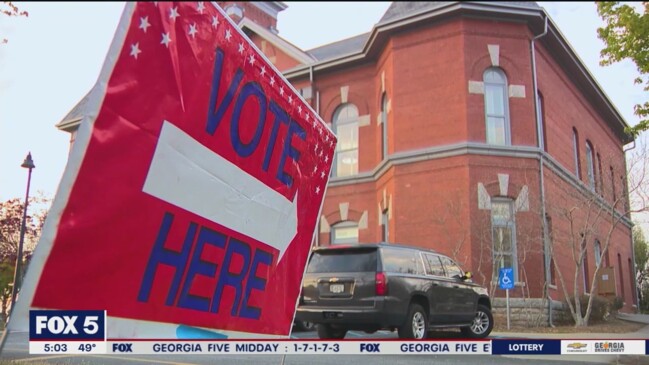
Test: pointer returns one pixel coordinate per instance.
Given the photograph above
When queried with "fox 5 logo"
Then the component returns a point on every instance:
(67, 325)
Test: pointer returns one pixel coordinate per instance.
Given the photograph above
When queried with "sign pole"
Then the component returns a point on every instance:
(507, 293)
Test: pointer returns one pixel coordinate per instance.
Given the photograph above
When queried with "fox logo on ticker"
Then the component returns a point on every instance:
(67, 325)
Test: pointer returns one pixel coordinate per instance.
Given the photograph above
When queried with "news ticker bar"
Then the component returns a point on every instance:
(344, 347)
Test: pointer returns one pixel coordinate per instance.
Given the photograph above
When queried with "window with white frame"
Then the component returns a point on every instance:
(590, 167)
(384, 126)
(496, 107)
(345, 232)
(598, 253)
(504, 236)
(345, 126)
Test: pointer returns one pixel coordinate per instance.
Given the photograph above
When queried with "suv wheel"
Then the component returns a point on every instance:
(416, 326)
(482, 324)
(325, 331)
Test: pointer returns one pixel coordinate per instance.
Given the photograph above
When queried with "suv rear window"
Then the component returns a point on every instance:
(342, 261)
(402, 261)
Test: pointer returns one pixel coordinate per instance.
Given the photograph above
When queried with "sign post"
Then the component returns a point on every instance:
(190, 200)
(506, 282)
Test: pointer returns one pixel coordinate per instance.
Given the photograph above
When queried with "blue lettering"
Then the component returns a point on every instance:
(161, 255)
(254, 282)
(280, 116)
(234, 280)
(214, 118)
(252, 90)
(290, 151)
(198, 266)
(248, 90)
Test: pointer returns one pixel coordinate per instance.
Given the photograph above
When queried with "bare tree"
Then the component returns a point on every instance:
(589, 213)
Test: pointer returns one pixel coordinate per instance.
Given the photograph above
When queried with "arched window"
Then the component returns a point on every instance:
(345, 126)
(590, 166)
(503, 227)
(575, 151)
(496, 107)
(384, 126)
(598, 253)
(344, 233)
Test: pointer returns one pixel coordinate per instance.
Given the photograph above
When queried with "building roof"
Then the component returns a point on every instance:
(397, 11)
(402, 9)
(74, 116)
(344, 47)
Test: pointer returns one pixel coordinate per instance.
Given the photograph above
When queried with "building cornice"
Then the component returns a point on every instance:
(472, 148)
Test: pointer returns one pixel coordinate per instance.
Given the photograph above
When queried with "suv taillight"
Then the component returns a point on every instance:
(381, 284)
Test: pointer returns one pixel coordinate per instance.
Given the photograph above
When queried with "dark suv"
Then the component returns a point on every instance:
(369, 287)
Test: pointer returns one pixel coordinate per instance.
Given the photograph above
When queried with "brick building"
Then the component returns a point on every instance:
(461, 125)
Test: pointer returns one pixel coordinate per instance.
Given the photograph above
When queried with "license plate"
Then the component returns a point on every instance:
(337, 288)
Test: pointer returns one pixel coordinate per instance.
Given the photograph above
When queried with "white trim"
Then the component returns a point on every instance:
(494, 54)
(286, 47)
(268, 8)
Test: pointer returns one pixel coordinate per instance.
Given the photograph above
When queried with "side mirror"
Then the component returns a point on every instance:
(467, 276)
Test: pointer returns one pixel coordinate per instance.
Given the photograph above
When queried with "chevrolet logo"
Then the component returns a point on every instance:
(333, 280)
(577, 345)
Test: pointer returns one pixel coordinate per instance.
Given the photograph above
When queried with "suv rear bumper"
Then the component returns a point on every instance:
(384, 314)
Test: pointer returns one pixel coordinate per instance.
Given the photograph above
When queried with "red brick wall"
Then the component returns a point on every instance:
(435, 201)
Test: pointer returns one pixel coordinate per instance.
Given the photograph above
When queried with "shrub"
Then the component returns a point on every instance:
(601, 307)
(616, 304)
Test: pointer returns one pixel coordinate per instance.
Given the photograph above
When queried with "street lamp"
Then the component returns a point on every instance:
(28, 164)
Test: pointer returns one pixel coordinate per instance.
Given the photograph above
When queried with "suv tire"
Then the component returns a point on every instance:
(416, 326)
(325, 331)
(482, 324)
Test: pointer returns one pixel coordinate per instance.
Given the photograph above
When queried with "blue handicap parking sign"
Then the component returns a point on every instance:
(506, 278)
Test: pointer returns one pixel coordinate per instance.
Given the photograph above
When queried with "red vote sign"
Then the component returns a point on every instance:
(193, 189)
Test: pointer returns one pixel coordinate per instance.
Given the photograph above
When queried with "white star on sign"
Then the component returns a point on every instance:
(326, 159)
(215, 22)
(263, 70)
(135, 50)
(251, 60)
(192, 30)
(322, 174)
(290, 99)
(228, 35)
(281, 90)
(299, 109)
(272, 81)
(241, 48)
(144, 23)
(173, 13)
(165, 39)
(307, 117)
(317, 190)
(200, 7)
(315, 169)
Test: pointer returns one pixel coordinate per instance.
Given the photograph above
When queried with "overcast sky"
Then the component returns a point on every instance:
(54, 56)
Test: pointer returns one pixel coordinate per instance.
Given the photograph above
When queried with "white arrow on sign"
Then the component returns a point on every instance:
(189, 175)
